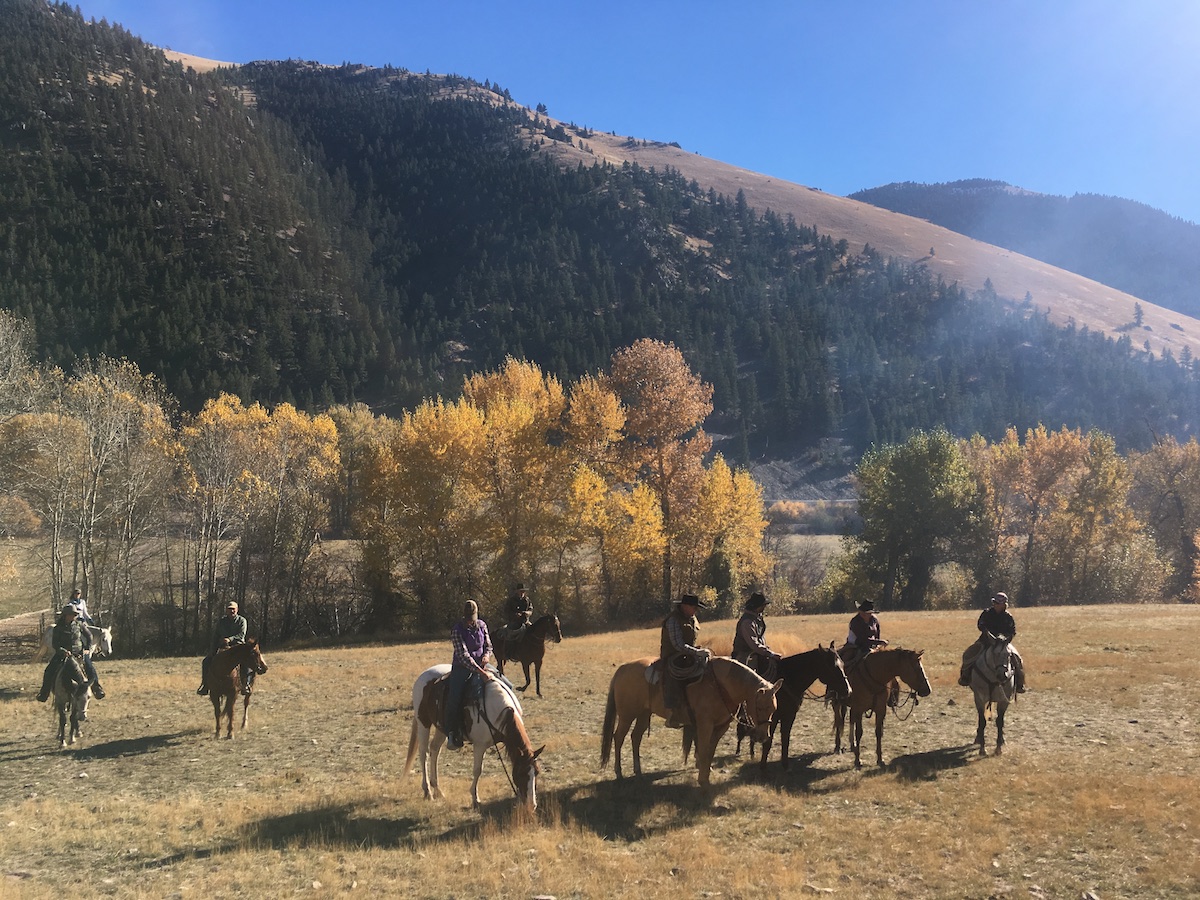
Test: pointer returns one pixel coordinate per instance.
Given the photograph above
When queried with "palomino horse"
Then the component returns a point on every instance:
(71, 695)
(714, 700)
(495, 719)
(871, 681)
(798, 673)
(529, 648)
(101, 642)
(992, 681)
(224, 680)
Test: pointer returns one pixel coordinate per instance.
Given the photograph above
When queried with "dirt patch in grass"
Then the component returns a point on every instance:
(1097, 789)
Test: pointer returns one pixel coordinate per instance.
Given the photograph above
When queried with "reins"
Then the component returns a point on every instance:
(498, 737)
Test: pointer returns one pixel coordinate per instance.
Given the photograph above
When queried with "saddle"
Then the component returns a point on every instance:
(431, 710)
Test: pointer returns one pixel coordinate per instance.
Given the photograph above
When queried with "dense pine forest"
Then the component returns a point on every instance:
(319, 235)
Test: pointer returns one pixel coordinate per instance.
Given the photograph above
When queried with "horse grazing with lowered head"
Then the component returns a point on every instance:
(714, 700)
(224, 680)
(993, 681)
(530, 648)
(798, 673)
(871, 681)
(495, 719)
(71, 695)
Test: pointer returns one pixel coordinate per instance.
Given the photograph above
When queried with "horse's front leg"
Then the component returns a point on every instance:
(229, 701)
(480, 749)
(245, 711)
(981, 728)
(787, 718)
(216, 702)
(856, 732)
(880, 713)
(1001, 709)
(839, 724)
(705, 750)
(525, 669)
(537, 674)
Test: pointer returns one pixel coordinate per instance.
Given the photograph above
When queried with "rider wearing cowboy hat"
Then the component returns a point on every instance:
(864, 634)
(996, 620)
(749, 646)
(680, 631)
(70, 639)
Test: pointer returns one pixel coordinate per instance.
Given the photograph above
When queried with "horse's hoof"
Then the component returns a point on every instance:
(999, 750)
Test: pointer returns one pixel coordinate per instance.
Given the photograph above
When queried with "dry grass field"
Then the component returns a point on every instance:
(1097, 790)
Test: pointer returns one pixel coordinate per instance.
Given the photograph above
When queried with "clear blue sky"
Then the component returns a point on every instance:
(1057, 96)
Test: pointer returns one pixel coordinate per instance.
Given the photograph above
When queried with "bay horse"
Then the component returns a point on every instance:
(993, 681)
(495, 719)
(871, 681)
(224, 681)
(71, 695)
(714, 699)
(529, 648)
(798, 672)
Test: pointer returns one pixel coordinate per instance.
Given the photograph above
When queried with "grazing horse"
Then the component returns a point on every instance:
(529, 648)
(101, 642)
(496, 719)
(224, 680)
(71, 695)
(798, 673)
(714, 700)
(871, 680)
(992, 681)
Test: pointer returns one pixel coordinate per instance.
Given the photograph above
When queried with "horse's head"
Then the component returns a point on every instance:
(832, 673)
(524, 759)
(105, 641)
(761, 707)
(256, 661)
(913, 673)
(555, 633)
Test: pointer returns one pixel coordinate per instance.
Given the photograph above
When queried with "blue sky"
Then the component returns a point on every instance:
(1057, 96)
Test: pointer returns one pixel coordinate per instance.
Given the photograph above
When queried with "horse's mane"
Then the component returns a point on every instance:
(743, 671)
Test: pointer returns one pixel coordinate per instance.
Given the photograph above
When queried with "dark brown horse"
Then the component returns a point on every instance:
(798, 673)
(529, 648)
(871, 681)
(224, 680)
(714, 700)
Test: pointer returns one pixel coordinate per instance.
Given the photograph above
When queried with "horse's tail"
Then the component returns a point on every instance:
(412, 744)
(610, 724)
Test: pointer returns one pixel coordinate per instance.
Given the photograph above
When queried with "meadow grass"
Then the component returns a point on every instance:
(1096, 790)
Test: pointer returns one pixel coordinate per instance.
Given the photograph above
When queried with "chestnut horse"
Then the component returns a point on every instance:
(871, 681)
(529, 648)
(714, 698)
(798, 672)
(495, 720)
(224, 680)
(992, 681)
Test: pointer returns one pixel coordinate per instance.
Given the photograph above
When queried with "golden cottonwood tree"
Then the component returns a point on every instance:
(665, 404)
(524, 474)
(1166, 495)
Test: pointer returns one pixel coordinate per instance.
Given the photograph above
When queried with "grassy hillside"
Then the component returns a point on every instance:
(1097, 791)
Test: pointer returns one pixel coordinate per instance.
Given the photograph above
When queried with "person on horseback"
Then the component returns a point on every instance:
(864, 635)
(680, 631)
(229, 630)
(468, 670)
(80, 605)
(749, 646)
(72, 644)
(996, 620)
(520, 613)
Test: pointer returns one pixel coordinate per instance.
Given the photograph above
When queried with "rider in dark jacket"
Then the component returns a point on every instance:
(70, 639)
(995, 620)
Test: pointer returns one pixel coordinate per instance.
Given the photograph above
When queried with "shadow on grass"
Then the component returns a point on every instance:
(612, 808)
(134, 746)
(928, 765)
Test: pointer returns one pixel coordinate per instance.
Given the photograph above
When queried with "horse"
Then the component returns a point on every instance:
(495, 719)
(71, 695)
(992, 681)
(529, 648)
(714, 700)
(224, 680)
(798, 673)
(871, 680)
(101, 642)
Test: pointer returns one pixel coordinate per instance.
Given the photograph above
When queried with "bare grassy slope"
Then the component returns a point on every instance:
(1099, 788)
(957, 258)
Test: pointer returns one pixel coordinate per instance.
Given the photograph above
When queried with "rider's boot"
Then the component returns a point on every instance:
(1020, 681)
(964, 678)
(97, 691)
(202, 690)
